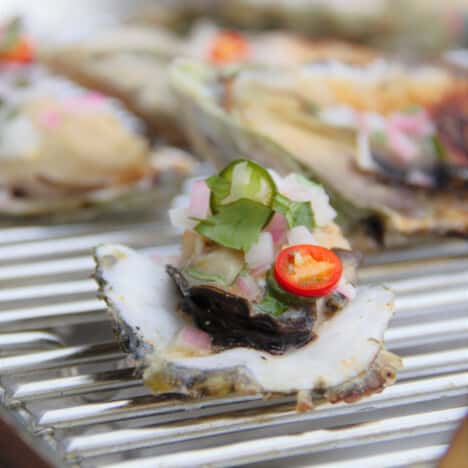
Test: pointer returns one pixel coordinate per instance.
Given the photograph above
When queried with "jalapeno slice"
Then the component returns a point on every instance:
(244, 179)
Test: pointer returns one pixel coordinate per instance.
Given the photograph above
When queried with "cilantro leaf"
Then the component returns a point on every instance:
(296, 213)
(237, 225)
(271, 305)
(219, 186)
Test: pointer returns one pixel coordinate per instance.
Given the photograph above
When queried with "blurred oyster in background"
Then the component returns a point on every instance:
(380, 137)
(131, 62)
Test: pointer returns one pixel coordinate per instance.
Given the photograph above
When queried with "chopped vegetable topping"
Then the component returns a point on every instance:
(296, 213)
(220, 266)
(237, 225)
(271, 305)
(228, 47)
(241, 179)
(307, 270)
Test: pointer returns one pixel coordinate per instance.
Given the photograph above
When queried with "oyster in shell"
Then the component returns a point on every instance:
(345, 362)
(215, 321)
(67, 151)
(272, 113)
(131, 62)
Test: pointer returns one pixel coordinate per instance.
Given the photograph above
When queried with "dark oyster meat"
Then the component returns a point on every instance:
(231, 321)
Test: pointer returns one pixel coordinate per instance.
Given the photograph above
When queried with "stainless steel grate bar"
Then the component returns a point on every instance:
(405, 392)
(67, 386)
(25, 340)
(63, 357)
(48, 291)
(426, 456)
(308, 442)
(102, 443)
(43, 248)
(52, 315)
(52, 267)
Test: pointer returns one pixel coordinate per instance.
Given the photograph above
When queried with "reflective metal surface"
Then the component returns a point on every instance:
(68, 383)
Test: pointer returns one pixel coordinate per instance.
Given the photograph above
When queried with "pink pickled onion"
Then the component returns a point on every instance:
(199, 206)
(416, 124)
(248, 287)
(277, 227)
(91, 100)
(194, 339)
(262, 252)
(401, 144)
(260, 270)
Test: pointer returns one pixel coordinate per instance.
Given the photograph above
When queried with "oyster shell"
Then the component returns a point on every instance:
(131, 62)
(415, 29)
(142, 301)
(68, 152)
(283, 134)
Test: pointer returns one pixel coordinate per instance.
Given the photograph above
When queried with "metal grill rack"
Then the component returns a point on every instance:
(68, 385)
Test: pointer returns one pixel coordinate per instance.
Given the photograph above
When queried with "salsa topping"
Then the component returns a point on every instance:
(259, 236)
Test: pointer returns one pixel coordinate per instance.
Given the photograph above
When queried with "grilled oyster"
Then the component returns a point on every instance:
(225, 320)
(64, 148)
(131, 62)
(304, 118)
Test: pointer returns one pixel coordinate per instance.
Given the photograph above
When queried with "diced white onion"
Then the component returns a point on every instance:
(180, 219)
(261, 253)
(248, 287)
(300, 189)
(300, 235)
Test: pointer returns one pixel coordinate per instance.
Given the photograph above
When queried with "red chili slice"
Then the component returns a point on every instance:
(20, 52)
(308, 270)
(228, 47)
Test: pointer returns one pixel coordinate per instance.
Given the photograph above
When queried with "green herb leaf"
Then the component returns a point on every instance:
(296, 213)
(219, 186)
(271, 305)
(439, 148)
(237, 225)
